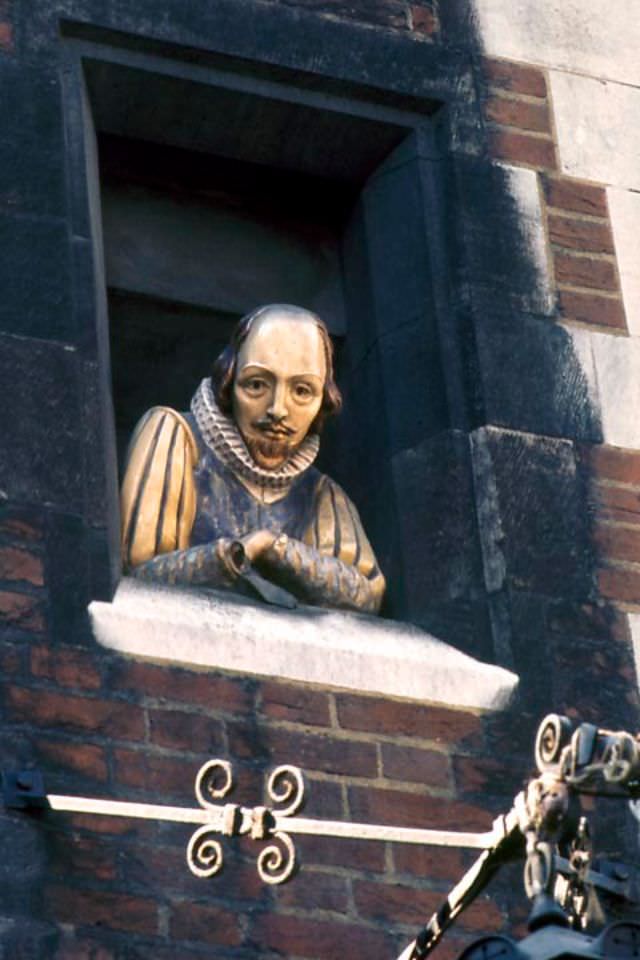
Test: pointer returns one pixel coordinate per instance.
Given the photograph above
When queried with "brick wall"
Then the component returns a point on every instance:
(90, 888)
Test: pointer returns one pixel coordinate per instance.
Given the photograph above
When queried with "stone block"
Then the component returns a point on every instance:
(504, 239)
(624, 208)
(576, 35)
(36, 279)
(596, 139)
(537, 376)
(542, 513)
(40, 456)
(32, 144)
(617, 367)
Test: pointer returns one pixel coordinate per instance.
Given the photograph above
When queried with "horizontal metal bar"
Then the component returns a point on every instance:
(374, 831)
(144, 811)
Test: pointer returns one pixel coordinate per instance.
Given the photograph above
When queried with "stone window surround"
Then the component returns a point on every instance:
(211, 631)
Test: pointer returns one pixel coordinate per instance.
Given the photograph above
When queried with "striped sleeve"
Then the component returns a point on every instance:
(338, 532)
(158, 498)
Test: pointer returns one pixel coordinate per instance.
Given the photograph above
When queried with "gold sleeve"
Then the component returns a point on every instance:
(337, 532)
(158, 497)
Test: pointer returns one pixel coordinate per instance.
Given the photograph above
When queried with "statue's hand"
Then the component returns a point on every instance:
(257, 543)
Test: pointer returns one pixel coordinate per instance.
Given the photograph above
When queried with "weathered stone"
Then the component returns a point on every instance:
(624, 206)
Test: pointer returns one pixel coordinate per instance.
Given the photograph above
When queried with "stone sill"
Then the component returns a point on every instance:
(211, 629)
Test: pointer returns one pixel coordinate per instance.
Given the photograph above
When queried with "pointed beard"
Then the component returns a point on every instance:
(268, 453)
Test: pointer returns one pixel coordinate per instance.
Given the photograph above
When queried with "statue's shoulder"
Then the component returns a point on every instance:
(159, 418)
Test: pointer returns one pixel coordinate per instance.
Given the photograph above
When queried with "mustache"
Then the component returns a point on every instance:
(267, 424)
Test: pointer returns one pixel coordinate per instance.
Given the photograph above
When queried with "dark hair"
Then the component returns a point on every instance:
(224, 368)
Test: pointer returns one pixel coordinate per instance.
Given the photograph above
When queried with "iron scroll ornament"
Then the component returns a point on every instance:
(277, 862)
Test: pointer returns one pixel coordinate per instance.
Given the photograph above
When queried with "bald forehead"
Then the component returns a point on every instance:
(286, 342)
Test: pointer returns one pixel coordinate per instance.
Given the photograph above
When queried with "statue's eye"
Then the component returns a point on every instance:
(254, 384)
(302, 391)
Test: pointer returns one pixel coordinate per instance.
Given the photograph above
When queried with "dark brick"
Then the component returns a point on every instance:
(19, 565)
(522, 148)
(600, 311)
(22, 524)
(569, 194)
(619, 583)
(6, 37)
(522, 114)
(424, 20)
(482, 775)
(405, 809)
(176, 685)
(429, 767)
(617, 543)
(204, 924)
(315, 891)
(515, 77)
(578, 234)
(395, 903)
(614, 463)
(154, 773)
(179, 730)
(391, 717)
(318, 940)
(22, 611)
(47, 709)
(83, 758)
(350, 854)
(83, 949)
(66, 666)
(86, 857)
(350, 758)
(100, 908)
(585, 272)
(430, 863)
(282, 701)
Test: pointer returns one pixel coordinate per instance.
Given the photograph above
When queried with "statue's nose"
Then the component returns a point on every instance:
(278, 408)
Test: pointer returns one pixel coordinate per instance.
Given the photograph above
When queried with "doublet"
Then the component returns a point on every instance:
(182, 504)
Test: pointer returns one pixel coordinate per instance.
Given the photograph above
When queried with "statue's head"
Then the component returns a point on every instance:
(276, 379)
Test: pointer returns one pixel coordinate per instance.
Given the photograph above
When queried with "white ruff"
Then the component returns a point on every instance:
(223, 437)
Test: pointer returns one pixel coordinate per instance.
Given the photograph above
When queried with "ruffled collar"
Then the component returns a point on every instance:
(223, 437)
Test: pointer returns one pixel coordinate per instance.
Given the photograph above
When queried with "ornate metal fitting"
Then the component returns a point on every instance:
(276, 862)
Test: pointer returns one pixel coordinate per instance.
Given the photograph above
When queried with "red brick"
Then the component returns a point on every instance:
(312, 890)
(576, 196)
(620, 502)
(620, 584)
(319, 940)
(614, 463)
(66, 666)
(432, 864)
(203, 923)
(324, 799)
(350, 854)
(48, 709)
(482, 915)
(616, 542)
(584, 235)
(99, 907)
(393, 903)
(110, 826)
(515, 77)
(282, 701)
(84, 856)
(585, 272)
(522, 148)
(588, 620)
(424, 21)
(484, 775)
(412, 764)
(396, 717)
(83, 758)
(6, 37)
(523, 114)
(19, 524)
(155, 773)
(350, 758)
(16, 564)
(22, 611)
(83, 950)
(162, 869)
(591, 308)
(180, 730)
(176, 685)
(373, 805)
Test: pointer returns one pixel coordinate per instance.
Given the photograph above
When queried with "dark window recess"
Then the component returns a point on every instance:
(192, 242)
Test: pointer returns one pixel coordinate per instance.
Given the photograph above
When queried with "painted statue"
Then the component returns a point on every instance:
(227, 495)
